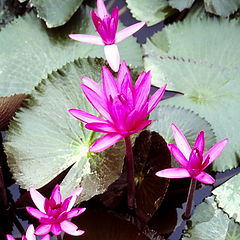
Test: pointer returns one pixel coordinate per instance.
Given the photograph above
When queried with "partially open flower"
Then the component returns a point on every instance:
(106, 25)
(54, 213)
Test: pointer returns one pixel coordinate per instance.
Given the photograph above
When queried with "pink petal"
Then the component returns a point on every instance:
(46, 237)
(36, 213)
(73, 197)
(101, 9)
(205, 178)
(56, 229)
(173, 173)
(75, 212)
(215, 151)
(85, 116)
(43, 229)
(70, 228)
(30, 233)
(84, 38)
(142, 125)
(178, 155)
(112, 56)
(56, 194)
(124, 78)
(109, 84)
(181, 141)
(101, 127)
(155, 99)
(96, 101)
(38, 199)
(93, 85)
(142, 89)
(128, 31)
(200, 142)
(105, 142)
(9, 237)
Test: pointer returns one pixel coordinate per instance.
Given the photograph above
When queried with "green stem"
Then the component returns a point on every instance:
(130, 173)
(189, 204)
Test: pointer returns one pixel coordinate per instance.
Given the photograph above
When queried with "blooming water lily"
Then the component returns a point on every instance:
(106, 25)
(194, 161)
(54, 213)
(124, 107)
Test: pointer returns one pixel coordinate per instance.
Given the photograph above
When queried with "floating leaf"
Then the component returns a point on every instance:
(150, 12)
(36, 51)
(204, 68)
(227, 196)
(8, 107)
(102, 225)
(211, 223)
(181, 5)
(222, 7)
(45, 139)
(56, 13)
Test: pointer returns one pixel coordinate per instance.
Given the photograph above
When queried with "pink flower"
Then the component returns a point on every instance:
(106, 26)
(124, 107)
(194, 160)
(53, 213)
(29, 235)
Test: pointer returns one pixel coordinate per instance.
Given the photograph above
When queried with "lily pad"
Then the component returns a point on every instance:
(204, 68)
(44, 139)
(227, 197)
(211, 223)
(181, 5)
(37, 51)
(56, 13)
(151, 12)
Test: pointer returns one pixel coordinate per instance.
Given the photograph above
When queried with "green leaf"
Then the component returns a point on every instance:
(44, 139)
(227, 197)
(222, 7)
(56, 13)
(181, 5)
(37, 51)
(210, 223)
(204, 68)
(151, 12)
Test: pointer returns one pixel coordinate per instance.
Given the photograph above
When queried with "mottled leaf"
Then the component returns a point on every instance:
(181, 5)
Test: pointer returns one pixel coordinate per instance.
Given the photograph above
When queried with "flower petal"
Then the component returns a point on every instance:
(112, 56)
(173, 173)
(84, 38)
(181, 141)
(156, 97)
(73, 197)
(215, 151)
(70, 228)
(85, 116)
(9, 237)
(38, 199)
(36, 213)
(128, 31)
(141, 126)
(56, 229)
(30, 233)
(46, 237)
(101, 9)
(56, 195)
(109, 84)
(96, 101)
(123, 76)
(105, 142)
(100, 127)
(43, 229)
(178, 155)
(205, 178)
(75, 212)
(200, 142)
(93, 85)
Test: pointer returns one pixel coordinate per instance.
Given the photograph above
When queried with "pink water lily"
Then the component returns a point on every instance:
(29, 235)
(124, 107)
(194, 161)
(106, 25)
(54, 213)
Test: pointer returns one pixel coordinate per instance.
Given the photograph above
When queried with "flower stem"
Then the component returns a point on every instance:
(130, 173)
(191, 190)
